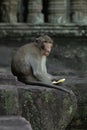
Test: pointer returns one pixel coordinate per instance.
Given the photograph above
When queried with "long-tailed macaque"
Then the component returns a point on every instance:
(29, 63)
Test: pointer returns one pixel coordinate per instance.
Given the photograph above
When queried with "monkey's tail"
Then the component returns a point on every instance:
(50, 86)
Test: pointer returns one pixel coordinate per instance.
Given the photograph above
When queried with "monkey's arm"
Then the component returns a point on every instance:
(52, 77)
(38, 73)
(42, 77)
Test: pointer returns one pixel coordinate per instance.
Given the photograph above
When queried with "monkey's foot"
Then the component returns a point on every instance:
(59, 81)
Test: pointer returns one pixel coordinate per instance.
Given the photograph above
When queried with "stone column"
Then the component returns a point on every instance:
(79, 11)
(20, 11)
(56, 11)
(68, 10)
(9, 11)
(35, 12)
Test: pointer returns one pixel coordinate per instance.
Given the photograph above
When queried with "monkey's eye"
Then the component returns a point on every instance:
(42, 47)
(48, 41)
(45, 41)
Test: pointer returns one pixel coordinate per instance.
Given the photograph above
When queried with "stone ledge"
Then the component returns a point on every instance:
(39, 105)
(34, 101)
(31, 29)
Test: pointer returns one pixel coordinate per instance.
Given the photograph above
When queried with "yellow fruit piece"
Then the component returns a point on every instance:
(59, 81)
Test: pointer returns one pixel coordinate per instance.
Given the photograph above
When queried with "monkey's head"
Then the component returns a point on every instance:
(44, 43)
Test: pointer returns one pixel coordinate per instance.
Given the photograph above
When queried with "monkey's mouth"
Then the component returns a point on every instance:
(47, 53)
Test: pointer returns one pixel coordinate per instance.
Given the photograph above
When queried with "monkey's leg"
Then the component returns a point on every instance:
(27, 79)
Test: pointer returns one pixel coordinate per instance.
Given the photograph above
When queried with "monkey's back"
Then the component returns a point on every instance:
(21, 61)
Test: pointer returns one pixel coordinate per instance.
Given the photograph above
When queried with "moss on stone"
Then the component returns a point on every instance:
(9, 102)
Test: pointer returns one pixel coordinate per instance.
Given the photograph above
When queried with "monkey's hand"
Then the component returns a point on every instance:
(59, 81)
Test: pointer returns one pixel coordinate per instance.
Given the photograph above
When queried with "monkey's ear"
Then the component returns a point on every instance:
(36, 40)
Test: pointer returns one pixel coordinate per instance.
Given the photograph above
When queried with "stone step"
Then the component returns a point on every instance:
(14, 123)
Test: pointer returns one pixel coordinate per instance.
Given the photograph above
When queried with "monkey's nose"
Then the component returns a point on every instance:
(48, 49)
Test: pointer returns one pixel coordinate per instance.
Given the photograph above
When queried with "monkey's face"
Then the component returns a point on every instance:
(46, 49)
